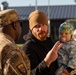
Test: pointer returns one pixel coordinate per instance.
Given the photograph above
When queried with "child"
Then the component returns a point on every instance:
(67, 54)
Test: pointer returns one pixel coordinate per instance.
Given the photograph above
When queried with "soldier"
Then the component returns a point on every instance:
(13, 60)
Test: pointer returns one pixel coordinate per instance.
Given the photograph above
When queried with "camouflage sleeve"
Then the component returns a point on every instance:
(15, 62)
(72, 57)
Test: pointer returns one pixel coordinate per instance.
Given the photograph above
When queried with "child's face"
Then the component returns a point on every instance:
(64, 36)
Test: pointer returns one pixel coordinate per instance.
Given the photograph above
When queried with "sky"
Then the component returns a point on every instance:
(39, 2)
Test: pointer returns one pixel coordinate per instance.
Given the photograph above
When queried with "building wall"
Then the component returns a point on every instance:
(55, 28)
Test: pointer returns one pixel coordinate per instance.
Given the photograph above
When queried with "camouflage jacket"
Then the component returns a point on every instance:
(13, 60)
(67, 56)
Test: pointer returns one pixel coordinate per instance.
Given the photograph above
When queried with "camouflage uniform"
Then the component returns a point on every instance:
(13, 60)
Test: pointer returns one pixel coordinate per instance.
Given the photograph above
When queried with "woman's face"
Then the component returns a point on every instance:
(40, 31)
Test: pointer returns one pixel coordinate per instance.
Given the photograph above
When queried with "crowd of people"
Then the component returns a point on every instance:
(39, 54)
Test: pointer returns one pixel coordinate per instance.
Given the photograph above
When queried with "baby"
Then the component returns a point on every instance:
(67, 54)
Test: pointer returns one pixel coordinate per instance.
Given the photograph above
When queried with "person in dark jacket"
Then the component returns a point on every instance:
(39, 48)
